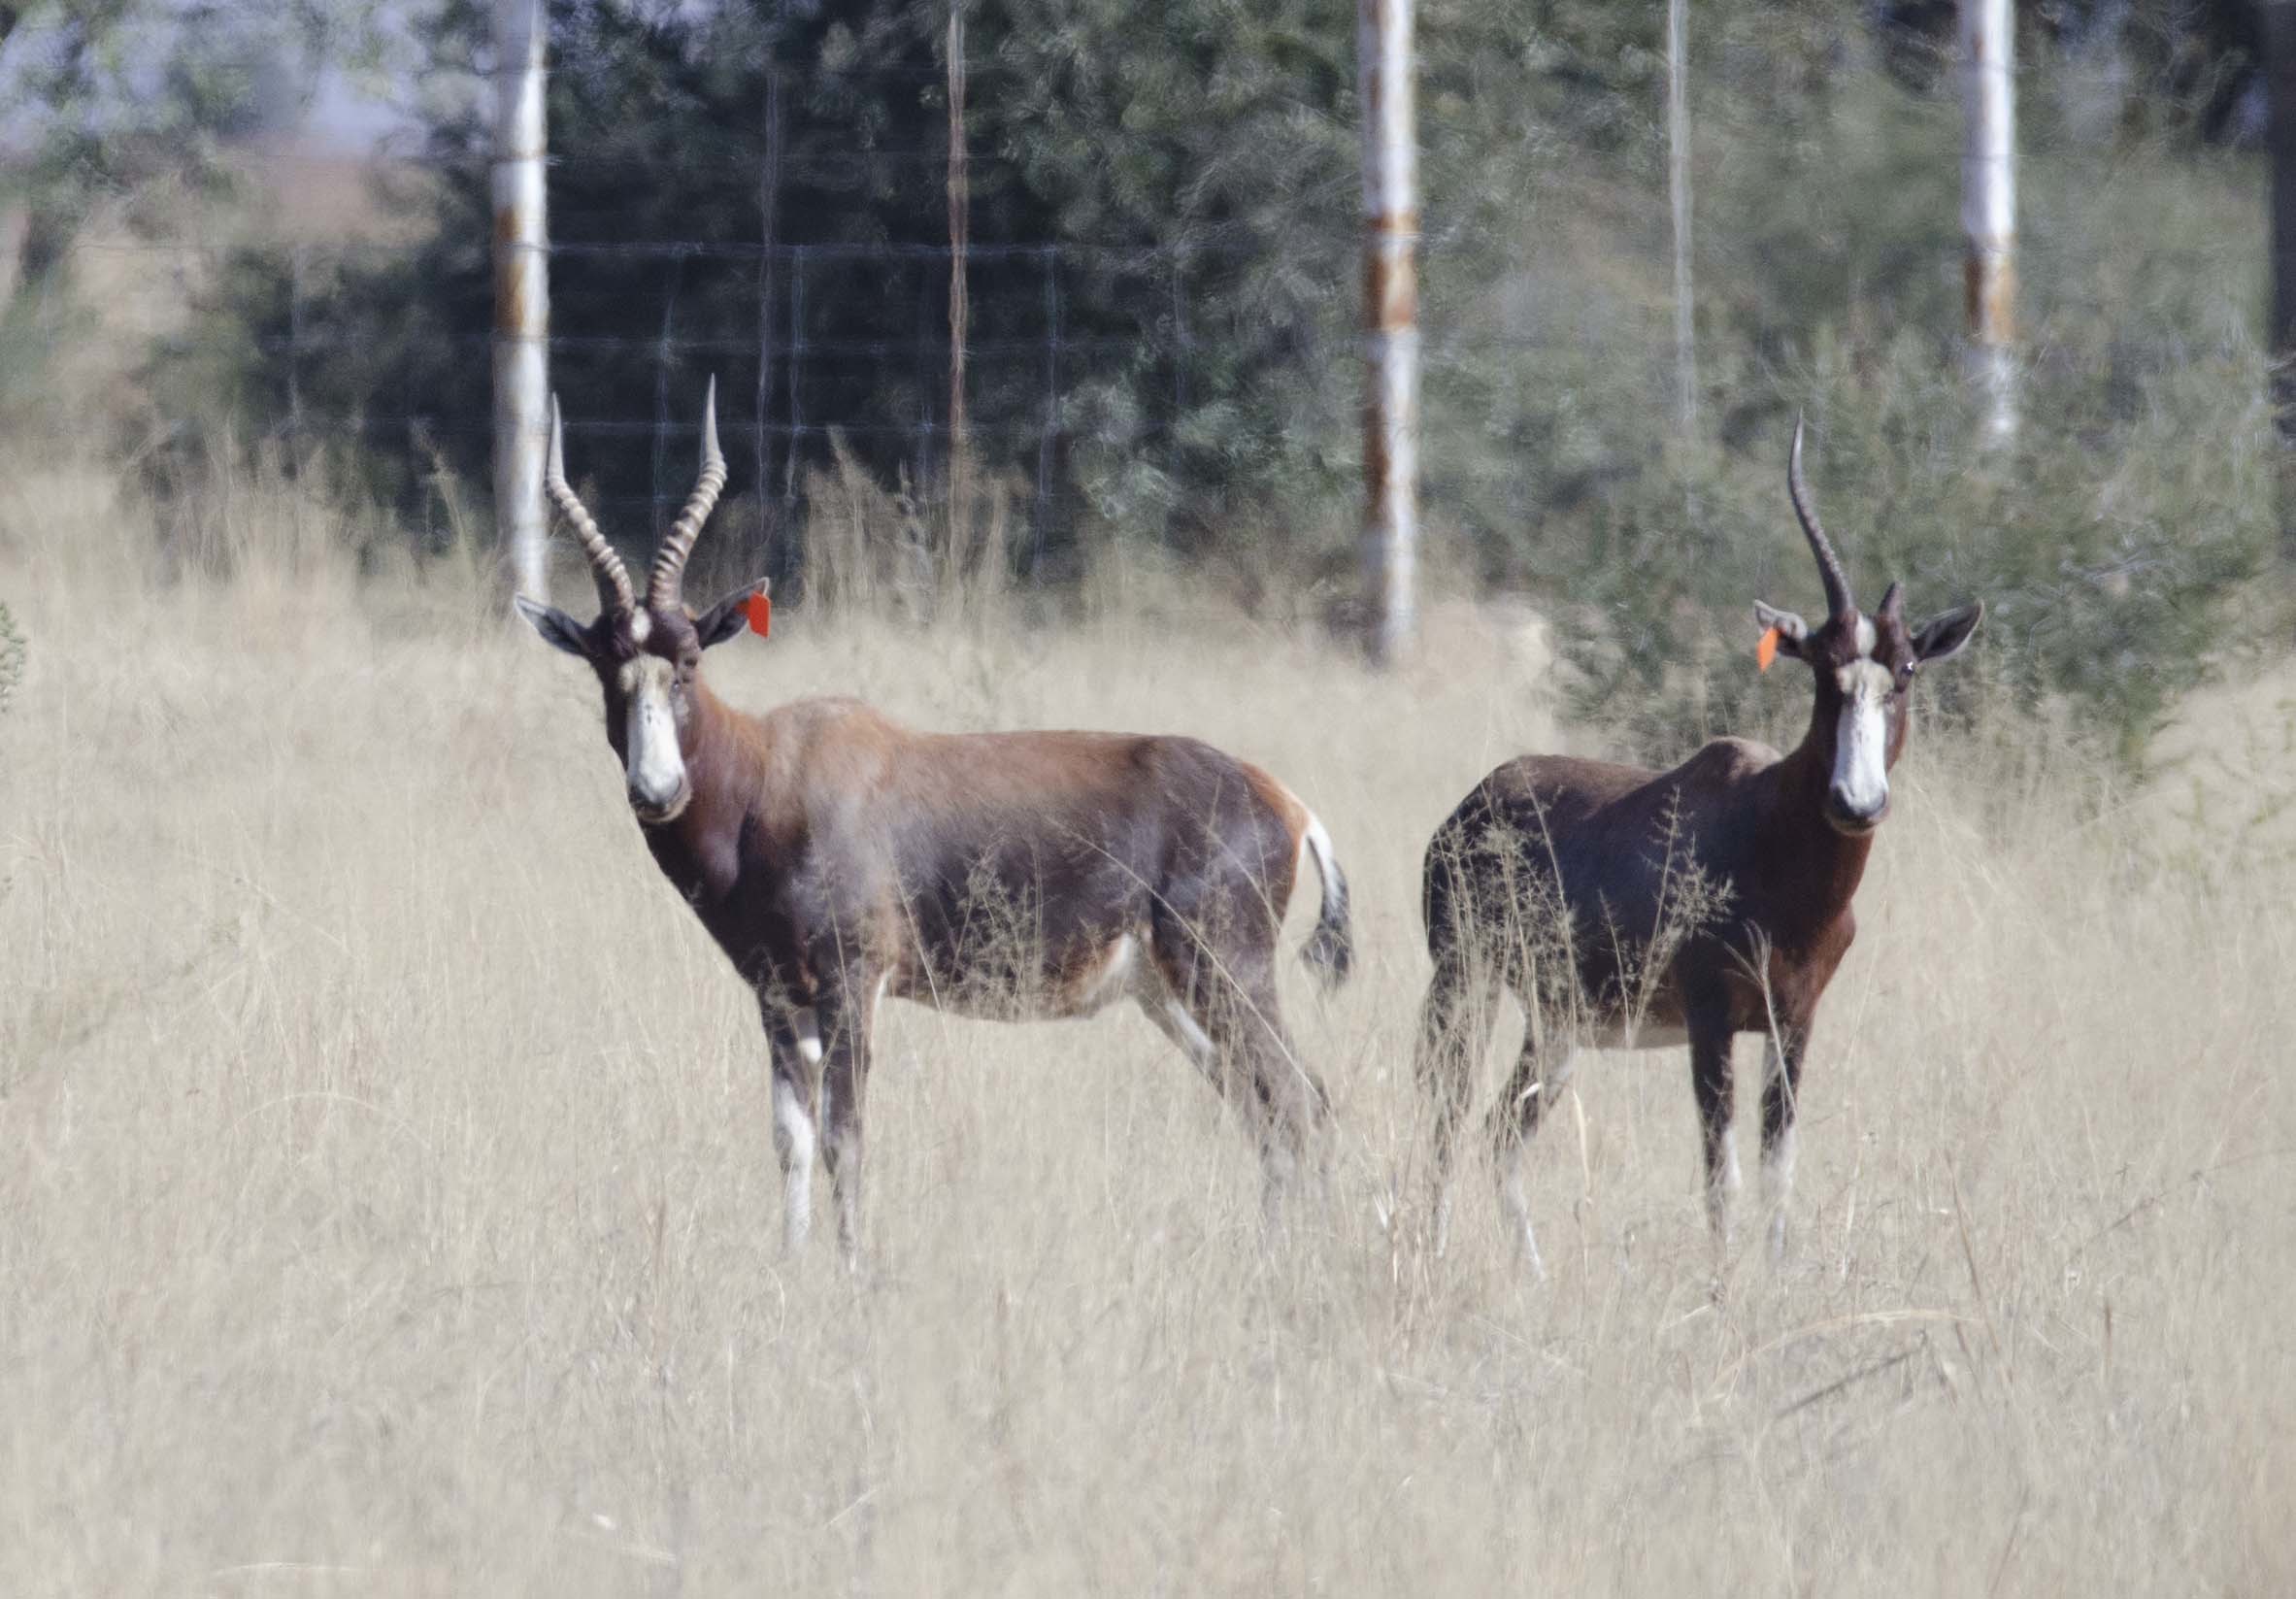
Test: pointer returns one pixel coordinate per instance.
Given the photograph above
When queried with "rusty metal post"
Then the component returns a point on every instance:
(1989, 204)
(1392, 314)
(522, 295)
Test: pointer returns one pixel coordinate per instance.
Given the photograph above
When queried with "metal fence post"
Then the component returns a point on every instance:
(521, 293)
(1989, 204)
(1391, 314)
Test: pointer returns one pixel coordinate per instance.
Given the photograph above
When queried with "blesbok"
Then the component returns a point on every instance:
(838, 857)
(1632, 909)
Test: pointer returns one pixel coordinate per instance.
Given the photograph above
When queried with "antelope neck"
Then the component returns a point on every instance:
(717, 777)
(1803, 846)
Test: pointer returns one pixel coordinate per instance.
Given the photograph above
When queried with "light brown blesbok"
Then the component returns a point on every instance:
(1570, 883)
(838, 857)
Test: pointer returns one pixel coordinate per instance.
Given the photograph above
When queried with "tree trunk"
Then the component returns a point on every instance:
(1391, 314)
(521, 295)
(1989, 206)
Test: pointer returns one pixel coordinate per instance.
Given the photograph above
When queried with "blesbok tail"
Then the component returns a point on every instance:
(1331, 947)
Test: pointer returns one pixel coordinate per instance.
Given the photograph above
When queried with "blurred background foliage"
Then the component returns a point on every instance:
(1173, 185)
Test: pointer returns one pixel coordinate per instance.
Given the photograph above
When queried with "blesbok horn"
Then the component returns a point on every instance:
(669, 565)
(1838, 602)
(613, 577)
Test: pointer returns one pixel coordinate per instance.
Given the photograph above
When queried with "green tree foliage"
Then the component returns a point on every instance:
(1195, 166)
(1172, 186)
(137, 99)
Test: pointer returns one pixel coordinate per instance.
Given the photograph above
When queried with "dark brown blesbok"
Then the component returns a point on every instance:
(838, 857)
(1632, 909)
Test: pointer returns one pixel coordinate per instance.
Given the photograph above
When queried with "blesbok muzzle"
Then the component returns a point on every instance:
(1854, 816)
(653, 765)
(655, 809)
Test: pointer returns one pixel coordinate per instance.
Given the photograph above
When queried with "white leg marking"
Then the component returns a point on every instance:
(1515, 1198)
(1173, 1017)
(1778, 1188)
(1722, 1189)
(809, 1036)
(793, 1142)
(1777, 1166)
(1277, 1162)
(1116, 977)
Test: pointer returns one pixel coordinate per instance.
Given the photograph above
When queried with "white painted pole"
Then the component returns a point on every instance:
(1391, 314)
(1989, 205)
(522, 295)
(1677, 196)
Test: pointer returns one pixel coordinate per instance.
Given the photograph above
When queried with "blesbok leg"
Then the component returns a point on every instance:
(1453, 1020)
(847, 1013)
(796, 1045)
(1222, 1012)
(1710, 1082)
(1781, 1086)
(1538, 1077)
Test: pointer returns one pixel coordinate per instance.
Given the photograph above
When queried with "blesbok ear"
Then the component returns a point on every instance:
(557, 629)
(1790, 629)
(744, 607)
(1942, 636)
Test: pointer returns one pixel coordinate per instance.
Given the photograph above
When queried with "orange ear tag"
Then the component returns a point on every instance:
(760, 612)
(1767, 651)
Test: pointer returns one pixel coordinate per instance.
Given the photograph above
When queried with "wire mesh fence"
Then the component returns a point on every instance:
(797, 369)
(1542, 356)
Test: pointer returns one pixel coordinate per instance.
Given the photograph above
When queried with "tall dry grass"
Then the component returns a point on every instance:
(389, 1206)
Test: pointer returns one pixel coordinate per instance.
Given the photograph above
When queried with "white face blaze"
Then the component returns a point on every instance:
(1861, 742)
(653, 763)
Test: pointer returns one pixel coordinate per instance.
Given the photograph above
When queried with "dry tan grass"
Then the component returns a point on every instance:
(389, 1206)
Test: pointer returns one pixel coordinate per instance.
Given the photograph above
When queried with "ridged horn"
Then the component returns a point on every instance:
(1838, 602)
(669, 563)
(613, 577)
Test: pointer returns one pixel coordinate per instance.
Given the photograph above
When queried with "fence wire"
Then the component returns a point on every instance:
(638, 325)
